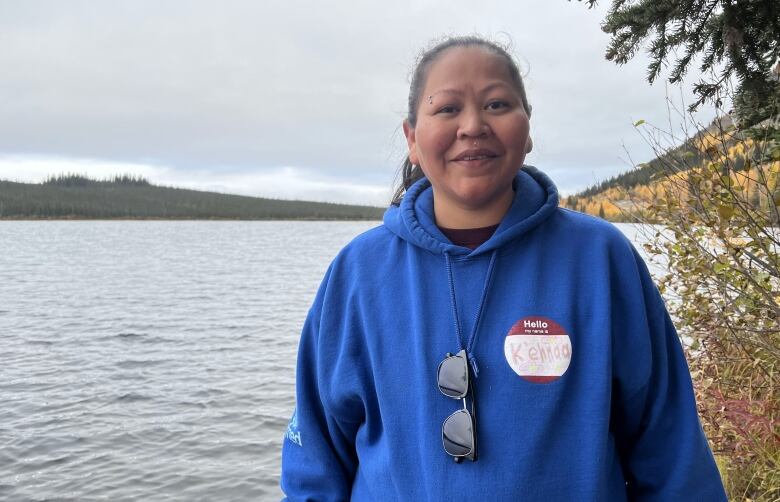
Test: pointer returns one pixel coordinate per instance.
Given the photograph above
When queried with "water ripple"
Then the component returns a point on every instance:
(152, 360)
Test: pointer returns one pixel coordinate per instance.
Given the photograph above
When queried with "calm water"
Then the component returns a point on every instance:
(153, 360)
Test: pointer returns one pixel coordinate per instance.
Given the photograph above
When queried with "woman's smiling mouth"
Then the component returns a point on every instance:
(475, 154)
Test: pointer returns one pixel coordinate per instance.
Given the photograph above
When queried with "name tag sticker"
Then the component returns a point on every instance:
(538, 349)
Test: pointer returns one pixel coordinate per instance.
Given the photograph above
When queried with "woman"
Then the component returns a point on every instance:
(479, 289)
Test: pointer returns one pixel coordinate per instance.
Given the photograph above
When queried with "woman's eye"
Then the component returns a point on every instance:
(447, 109)
(497, 105)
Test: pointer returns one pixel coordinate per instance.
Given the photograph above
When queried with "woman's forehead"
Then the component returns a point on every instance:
(461, 67)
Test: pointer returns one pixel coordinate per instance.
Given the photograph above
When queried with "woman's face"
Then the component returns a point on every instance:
(471, 135)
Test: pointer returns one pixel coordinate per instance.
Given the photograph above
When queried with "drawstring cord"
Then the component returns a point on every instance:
(478, 318)
(453, 300)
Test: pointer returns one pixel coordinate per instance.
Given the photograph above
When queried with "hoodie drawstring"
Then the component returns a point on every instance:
(453, 301)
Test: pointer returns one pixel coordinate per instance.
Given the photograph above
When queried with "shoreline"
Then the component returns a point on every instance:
(79, 218)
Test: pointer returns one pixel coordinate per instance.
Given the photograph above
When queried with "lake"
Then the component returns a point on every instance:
(153, 360)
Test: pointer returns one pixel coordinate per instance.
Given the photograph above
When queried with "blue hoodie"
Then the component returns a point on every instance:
(582, 389)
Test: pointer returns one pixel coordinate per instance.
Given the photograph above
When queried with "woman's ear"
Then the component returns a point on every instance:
(411, 142)
(529, 145)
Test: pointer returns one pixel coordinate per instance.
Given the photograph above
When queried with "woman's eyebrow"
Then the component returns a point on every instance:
(446, 91)
(493, 86)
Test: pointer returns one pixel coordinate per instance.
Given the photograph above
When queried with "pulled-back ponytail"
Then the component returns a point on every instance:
(409, 173)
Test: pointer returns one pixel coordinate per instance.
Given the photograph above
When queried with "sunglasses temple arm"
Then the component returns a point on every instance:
(473, 416)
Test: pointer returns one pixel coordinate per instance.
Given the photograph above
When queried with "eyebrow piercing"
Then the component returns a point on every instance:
(430, 99)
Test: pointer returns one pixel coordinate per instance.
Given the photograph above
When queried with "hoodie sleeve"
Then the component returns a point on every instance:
(664, 453)
(318, 453)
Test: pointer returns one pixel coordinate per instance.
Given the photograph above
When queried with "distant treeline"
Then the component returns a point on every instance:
(74, 196)
(649, 172)
(78, 180)
(686, 156)
(734, 154)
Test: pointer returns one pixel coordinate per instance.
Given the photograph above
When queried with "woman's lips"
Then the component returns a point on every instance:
(475, 154)
(475, 158)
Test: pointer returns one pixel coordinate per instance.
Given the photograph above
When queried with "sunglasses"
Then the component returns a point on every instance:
(458, 433)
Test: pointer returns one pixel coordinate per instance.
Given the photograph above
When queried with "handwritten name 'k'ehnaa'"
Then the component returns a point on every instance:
(540, 352)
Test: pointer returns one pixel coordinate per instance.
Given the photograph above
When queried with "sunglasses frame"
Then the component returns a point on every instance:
(472, 454)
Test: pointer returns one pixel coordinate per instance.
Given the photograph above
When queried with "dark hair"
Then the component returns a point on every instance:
(410, 173)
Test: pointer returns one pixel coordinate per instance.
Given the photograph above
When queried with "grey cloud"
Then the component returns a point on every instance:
(246, 86)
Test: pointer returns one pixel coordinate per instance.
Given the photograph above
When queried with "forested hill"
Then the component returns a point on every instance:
(127, 197)
(651, 171)
(744, 156)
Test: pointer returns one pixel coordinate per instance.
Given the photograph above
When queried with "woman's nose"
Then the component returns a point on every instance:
(473, 124)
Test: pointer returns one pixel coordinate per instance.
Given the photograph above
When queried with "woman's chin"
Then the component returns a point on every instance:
(472, 208)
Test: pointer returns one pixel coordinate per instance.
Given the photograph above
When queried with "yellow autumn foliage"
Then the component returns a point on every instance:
(620, 204)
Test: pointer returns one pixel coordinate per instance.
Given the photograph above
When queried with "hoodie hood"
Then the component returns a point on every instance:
(536, 198)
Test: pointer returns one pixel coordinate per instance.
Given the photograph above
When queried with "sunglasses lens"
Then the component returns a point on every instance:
(458, 434)
(453, 377)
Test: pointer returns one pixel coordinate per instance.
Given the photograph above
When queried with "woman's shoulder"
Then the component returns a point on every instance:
(368, 242)
(364, 262)
(576, 220)
(587, 235)
(586, 228)
(364, 249)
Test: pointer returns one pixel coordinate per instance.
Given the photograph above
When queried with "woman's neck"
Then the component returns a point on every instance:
(457, 217)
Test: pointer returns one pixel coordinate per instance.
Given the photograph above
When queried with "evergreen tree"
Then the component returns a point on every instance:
(734, 38)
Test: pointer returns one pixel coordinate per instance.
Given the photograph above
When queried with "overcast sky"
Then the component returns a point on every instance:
(292, 99)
